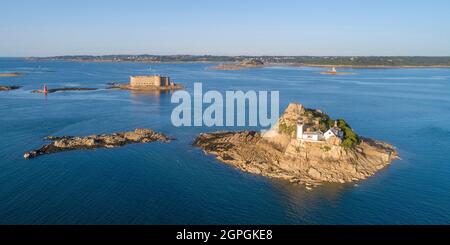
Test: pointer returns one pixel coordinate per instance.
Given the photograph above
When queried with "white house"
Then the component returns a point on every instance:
(309, 136)
(318, 136)
(334, 132)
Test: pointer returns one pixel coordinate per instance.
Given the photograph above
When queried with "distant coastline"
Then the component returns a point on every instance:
(355, 62)
(370, 66)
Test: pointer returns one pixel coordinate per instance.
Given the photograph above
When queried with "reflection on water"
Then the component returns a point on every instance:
(146, 96)
(149, 96)
(302, 199)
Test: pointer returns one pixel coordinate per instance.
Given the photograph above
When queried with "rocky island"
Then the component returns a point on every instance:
(248, 63)
(68, 143)
(305, 146)
(12, 74)
(8, 88)
(54, 90)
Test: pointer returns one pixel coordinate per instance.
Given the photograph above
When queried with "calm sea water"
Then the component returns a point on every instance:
(176, 183)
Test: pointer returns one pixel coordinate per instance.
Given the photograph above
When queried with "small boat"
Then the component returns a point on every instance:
(333, 71)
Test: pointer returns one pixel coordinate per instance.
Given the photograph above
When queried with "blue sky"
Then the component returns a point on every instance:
(42, 28)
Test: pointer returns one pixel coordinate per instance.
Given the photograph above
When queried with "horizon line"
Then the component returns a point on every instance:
(217, 55)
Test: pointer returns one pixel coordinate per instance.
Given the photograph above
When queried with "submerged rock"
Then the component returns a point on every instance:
(279, 154)
(7, 88)
(67, 143)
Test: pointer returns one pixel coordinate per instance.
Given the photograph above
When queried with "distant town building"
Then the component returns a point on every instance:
(150, 81)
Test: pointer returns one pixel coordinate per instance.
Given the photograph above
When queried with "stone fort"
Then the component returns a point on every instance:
(150, 81)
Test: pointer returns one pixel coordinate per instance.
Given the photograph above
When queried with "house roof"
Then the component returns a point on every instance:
(335, 130)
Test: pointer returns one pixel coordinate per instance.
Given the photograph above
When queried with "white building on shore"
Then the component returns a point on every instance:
(309, 136)
(318, 136)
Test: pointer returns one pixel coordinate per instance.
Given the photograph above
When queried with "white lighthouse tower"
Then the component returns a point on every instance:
(300, 131)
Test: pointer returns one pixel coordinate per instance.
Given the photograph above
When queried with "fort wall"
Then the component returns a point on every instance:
(149, 81)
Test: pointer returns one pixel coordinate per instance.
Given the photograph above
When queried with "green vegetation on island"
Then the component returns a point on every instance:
(350, 139)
